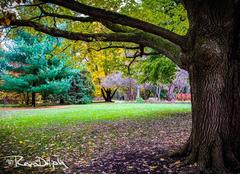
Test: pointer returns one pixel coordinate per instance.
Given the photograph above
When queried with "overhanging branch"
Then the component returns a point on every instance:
(144, 39)
(61, 16)
(105, 37)
(117, 18)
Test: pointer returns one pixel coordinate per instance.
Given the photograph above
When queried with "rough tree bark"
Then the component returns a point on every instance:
(214, 77)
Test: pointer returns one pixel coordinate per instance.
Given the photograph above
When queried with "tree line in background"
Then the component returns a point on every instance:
(116, 86)
(29, 68)
(143, 75)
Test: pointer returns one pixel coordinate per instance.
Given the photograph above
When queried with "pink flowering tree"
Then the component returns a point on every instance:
(110, 85)
(179, 84)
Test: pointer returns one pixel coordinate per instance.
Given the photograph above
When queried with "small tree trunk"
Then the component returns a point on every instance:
(107, 94)
(159, 93)
(27, 99)
(156, 92)
(61, 101)
(33, 99)
(170, 93)
(160, 90)
(130, 91)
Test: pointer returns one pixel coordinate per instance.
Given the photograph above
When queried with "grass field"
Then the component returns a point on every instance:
(93, 112)
(74, 129)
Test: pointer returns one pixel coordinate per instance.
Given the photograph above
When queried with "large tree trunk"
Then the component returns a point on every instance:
(212, 106)
(215, 138)
(214, 76)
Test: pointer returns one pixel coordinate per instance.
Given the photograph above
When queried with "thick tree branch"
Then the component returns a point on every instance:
(105, 37)
(61, 16)
(117, 27)
(116, 18)
(163, 46)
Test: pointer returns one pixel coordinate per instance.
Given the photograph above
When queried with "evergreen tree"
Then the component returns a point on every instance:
(81, 89)
(29, 70)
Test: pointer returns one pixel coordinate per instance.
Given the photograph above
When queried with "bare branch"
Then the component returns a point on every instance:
(139, 54)
(131, 62)
(5, 37)
(29, 5)
(115, 46)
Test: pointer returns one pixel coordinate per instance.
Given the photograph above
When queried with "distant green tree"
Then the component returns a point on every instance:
(157, 70)
(29, 68)
(81, 89)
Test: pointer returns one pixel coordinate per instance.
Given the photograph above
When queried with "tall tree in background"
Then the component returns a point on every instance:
(28, 70)
(110, 85)
(81, 89)
(102, 63)
(157, 70)
(209, 51)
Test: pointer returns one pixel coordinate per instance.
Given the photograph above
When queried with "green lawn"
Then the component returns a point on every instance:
(51, 131)
(92, 112)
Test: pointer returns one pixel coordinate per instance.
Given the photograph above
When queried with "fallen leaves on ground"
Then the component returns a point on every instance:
(124, 146)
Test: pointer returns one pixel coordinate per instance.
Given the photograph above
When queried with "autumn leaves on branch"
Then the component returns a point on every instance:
(124, 28)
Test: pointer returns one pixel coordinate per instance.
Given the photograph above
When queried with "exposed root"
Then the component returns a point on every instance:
(218, 165)
(183, 151)
(232, 161)
(203, 159)
(192, 158)
(210, 157)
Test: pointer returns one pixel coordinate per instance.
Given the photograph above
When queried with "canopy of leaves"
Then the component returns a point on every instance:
(169, 14)
(114, 80)
(157, 70)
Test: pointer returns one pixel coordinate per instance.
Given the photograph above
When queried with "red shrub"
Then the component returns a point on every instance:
(183, 97)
